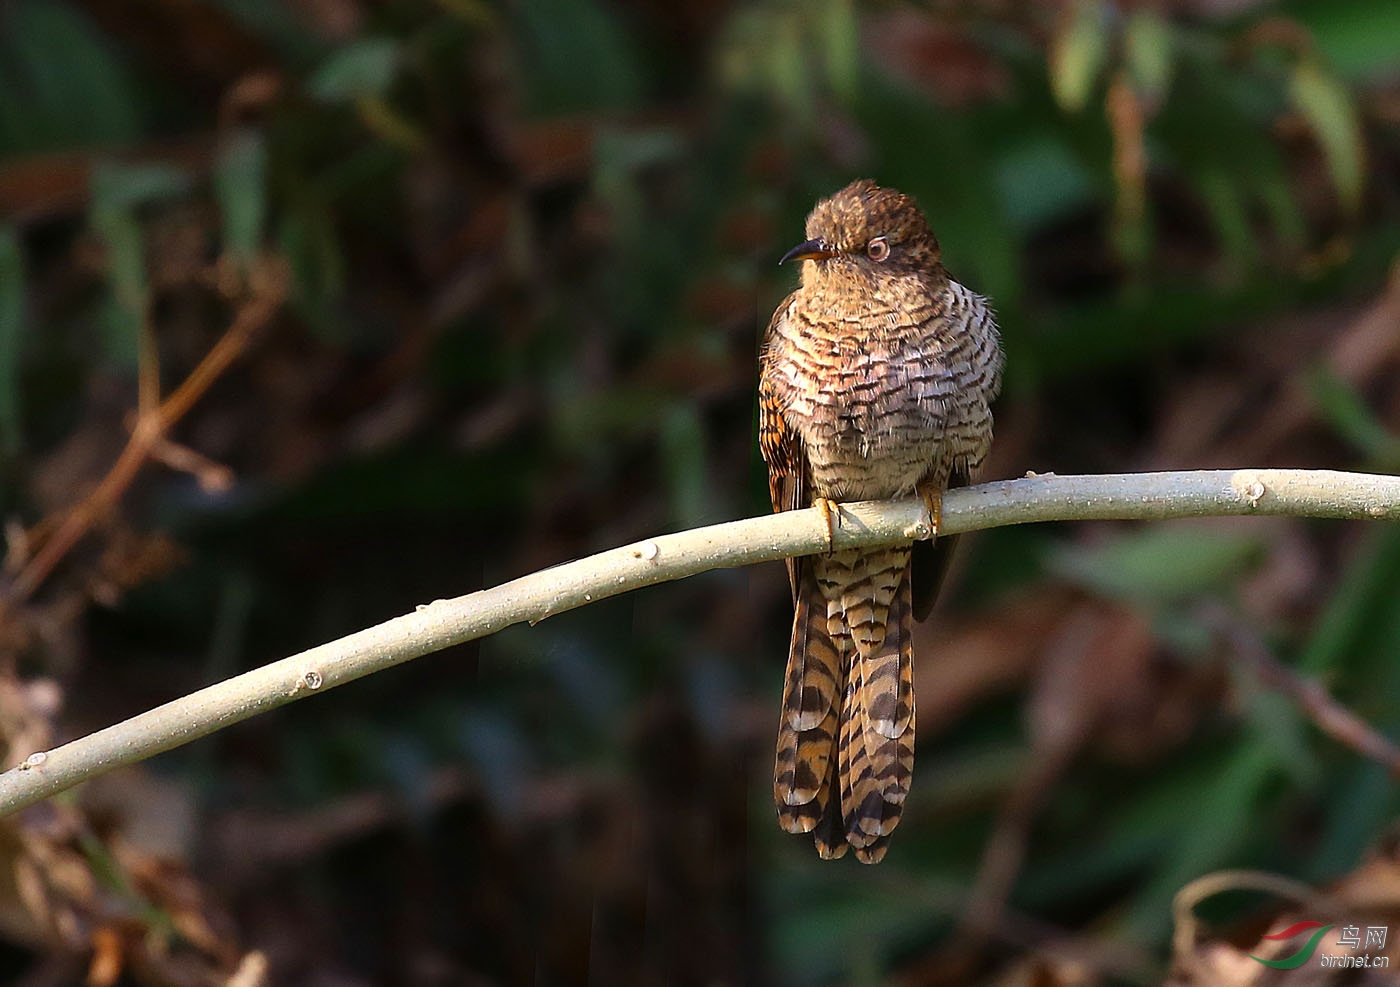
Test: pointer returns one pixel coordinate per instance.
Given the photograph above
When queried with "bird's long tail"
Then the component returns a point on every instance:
(804, 776)
(846, 740)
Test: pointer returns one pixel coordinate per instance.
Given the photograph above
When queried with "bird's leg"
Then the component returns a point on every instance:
(932, 494)
(831, 513)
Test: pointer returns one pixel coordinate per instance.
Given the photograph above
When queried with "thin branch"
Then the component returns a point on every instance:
(1330, 716)
(153, 422)
(532, 598)
(1187, 926)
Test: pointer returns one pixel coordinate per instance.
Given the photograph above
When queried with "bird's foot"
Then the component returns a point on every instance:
(831, 514)
(932, 495)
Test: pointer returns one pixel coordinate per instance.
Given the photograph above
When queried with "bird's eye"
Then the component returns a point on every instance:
(878, 249)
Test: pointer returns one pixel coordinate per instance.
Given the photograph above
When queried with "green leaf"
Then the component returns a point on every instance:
(1148, 42)
(1158, 564)
(360, 69)
(840, 36)
(1125, 836)
(1346, 412)
(1277, 724)
(68, 85)
(847, 934)
(120, 325)
(576, 56)
(1078, 55)
(786, 56)
(1227, 818)
(1358, 811)
(477, 13)
(118, 191)
(683, 456)
(1359, 38)
(11, 338)
(1357, 642)
(1281, 205)
(1215, 131)
(279, 25)
(1039, 180)
(1327, 106)
(308, 239)
(117, 185)
(1225, 202)
(1362, 601)
(240, 184)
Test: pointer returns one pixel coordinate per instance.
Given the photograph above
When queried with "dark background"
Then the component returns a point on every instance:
(490, 278)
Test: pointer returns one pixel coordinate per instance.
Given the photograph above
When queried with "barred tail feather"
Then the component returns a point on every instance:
(845, 751)
(876, 754)
(830, 833)
(805, 762)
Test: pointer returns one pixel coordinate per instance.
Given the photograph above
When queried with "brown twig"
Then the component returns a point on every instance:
(212, 477)
(1005, 850)
(1330, 716)
(1187, 933)
(269, 289)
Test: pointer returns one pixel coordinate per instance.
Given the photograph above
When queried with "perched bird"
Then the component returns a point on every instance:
(876, 380)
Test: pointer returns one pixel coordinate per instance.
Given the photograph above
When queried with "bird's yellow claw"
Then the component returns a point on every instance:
(932, 495)
(831, 514)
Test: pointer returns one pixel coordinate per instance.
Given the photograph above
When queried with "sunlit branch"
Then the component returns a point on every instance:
(432, 627)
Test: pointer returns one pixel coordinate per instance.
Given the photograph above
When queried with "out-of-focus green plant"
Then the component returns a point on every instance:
(534, 243)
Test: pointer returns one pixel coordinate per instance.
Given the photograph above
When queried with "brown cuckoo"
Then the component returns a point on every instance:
(876, 380)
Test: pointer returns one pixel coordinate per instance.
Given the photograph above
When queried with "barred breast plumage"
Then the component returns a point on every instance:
(876, 381)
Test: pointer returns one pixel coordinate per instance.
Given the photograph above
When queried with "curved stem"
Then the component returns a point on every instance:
(532, 598)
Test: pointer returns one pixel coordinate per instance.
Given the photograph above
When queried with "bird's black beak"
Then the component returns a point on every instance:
(810, 250)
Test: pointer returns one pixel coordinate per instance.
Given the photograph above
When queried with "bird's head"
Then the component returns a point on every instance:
(866, 230)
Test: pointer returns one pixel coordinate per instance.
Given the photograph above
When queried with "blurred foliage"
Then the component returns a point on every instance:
(529, 248)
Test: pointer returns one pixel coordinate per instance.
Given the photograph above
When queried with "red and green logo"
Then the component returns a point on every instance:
(1304, 954)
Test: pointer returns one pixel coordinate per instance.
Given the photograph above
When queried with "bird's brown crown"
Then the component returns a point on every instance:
(850, 219)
